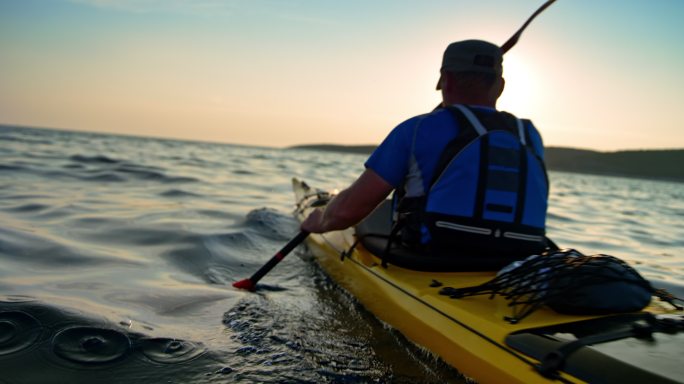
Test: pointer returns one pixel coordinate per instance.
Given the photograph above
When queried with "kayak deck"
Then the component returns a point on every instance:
(468, 333)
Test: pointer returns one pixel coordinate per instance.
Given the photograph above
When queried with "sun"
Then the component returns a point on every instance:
(522, 86)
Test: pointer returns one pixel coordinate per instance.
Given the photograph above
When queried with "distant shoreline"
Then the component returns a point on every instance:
(653, 164)
(656, 164)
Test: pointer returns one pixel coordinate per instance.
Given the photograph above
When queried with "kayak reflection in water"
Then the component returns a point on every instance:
(465, 176)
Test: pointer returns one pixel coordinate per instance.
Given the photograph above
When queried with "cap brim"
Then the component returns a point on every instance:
(439, 83)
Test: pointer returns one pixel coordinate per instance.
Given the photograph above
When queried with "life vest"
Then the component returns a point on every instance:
(489, 193)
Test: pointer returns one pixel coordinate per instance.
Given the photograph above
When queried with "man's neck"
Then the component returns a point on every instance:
(473, 102)
(469, 100)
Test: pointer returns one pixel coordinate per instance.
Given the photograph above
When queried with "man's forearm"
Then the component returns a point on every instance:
(349, 206)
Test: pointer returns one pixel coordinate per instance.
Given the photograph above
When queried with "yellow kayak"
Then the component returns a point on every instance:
(472, 333)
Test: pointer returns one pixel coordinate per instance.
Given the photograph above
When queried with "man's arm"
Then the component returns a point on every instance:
(351, 205)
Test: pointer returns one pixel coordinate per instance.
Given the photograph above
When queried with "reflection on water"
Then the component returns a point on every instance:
(117, 256)
(637, 220)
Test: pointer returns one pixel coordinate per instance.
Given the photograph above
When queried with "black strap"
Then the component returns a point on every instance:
(386, 254)
(482, 178)
(346, 253)
(535, 151)
(642, 328)
(522, 186)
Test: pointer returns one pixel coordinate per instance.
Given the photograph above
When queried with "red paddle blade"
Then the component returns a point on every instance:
(245, 284)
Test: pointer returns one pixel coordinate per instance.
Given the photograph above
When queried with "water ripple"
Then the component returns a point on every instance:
(178, 193)
(33, 249)
(91, 345)
(97, 159)
(170, 351)
(18, 331)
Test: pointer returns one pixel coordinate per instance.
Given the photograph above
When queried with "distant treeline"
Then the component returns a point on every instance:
(650, 164)
(362, 149)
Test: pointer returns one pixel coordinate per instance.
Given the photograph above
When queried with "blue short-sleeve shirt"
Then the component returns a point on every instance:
(409, 154)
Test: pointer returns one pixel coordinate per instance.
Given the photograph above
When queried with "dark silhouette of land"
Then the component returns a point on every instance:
(666, 164)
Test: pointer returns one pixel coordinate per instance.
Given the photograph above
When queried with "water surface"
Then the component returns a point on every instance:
(117, 256)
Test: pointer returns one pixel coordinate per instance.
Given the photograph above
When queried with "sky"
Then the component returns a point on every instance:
(603, 75)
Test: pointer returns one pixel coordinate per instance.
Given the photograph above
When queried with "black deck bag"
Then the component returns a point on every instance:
(568, 282)
(599, 284)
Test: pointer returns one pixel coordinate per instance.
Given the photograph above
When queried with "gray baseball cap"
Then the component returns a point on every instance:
(472, 56)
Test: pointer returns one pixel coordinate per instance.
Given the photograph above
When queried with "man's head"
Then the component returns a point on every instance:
(471, 73)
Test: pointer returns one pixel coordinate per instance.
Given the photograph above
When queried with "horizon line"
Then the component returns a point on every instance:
(169, 138)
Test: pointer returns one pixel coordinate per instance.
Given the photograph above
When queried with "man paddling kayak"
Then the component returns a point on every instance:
(466, 176)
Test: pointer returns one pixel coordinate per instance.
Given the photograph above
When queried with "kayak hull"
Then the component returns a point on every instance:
(469, 334)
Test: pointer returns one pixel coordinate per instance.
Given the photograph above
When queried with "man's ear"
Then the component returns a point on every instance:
(447, 83)
(501, 88)
(439, 82)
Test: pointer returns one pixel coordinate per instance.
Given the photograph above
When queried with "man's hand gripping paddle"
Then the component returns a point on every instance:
(250, 283)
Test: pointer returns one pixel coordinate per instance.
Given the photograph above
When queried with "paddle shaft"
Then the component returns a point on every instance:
(516, 36)
(252, 281)
(514, 39)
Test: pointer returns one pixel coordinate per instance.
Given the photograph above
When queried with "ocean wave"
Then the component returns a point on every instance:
(23, 139)
(114, 233)
(178, 193)
(27, 208)
(272, 224)
(32, 249)
(97, 159)
(13, 167)
(102, 176)
(124, 174)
